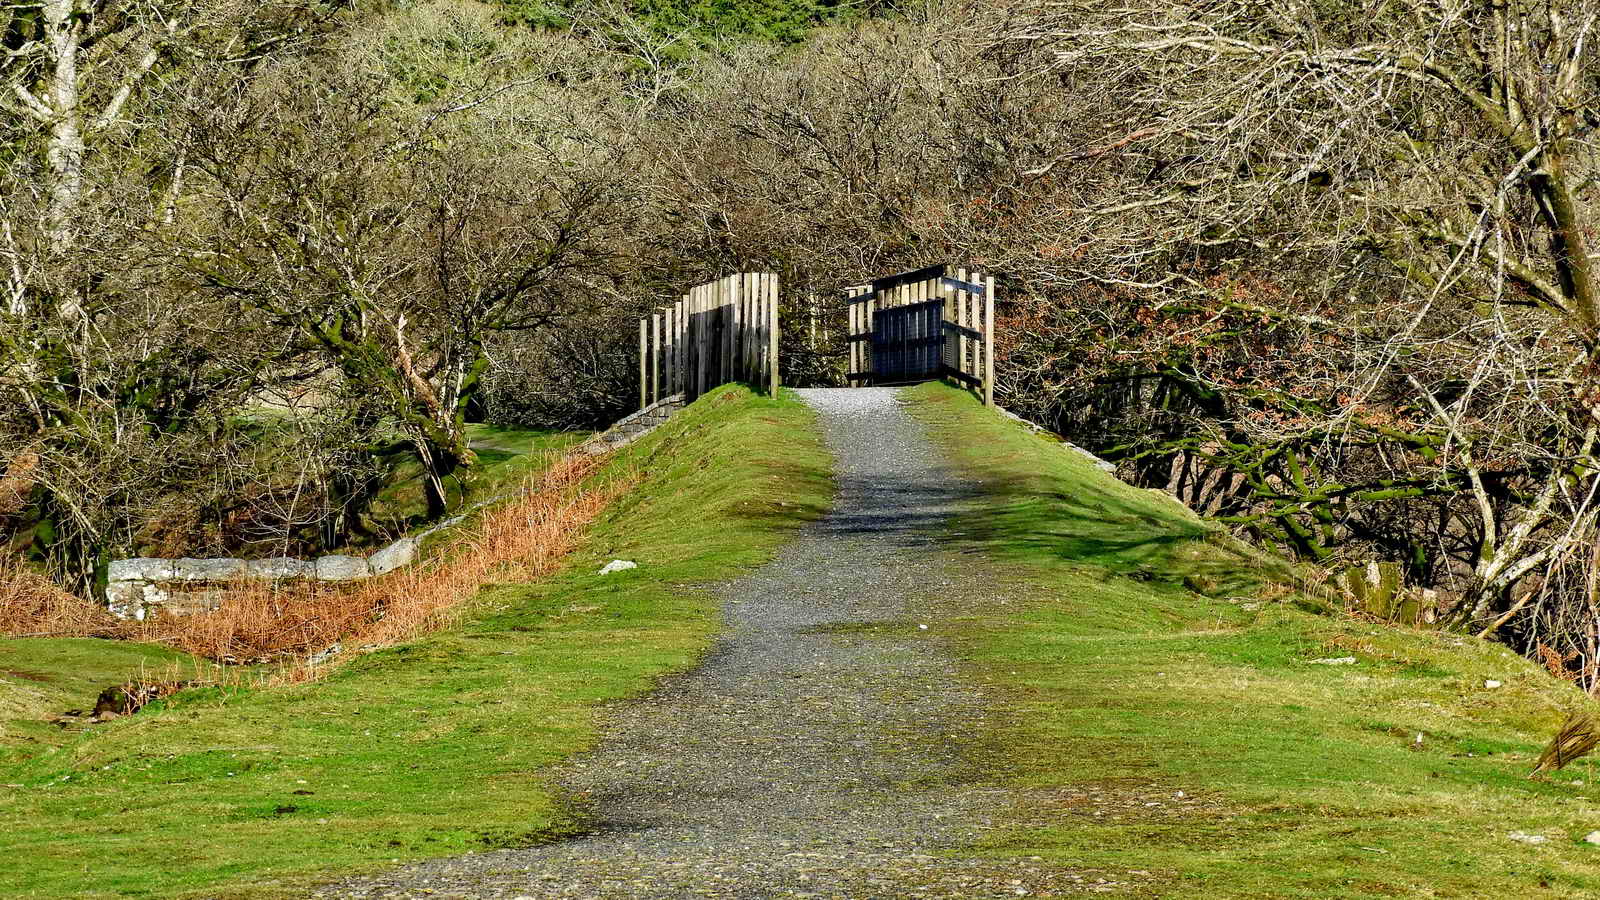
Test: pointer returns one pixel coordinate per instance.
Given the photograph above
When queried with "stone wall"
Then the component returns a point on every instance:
(135, 587)
(630, 428)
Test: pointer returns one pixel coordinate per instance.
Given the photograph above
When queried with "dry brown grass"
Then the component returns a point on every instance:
(1577, 737)
(524, 537)
(31, 605)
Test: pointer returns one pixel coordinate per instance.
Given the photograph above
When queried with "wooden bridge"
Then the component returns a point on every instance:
(934, 322)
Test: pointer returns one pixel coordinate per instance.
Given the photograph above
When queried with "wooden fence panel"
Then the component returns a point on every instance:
(721, 331)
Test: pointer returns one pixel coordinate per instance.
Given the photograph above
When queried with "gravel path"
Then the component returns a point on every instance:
(826, 747)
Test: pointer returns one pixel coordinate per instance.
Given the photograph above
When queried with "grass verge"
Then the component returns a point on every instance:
(1187, 744)
(436, 746)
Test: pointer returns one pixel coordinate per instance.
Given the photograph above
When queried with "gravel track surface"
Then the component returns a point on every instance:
(825, 748)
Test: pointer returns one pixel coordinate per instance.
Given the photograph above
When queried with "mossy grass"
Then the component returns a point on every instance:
(436, 747)
(1124, 687)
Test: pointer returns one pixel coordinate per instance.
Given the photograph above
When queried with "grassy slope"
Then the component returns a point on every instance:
(1299, 779)
(434, 747)
(41, 678)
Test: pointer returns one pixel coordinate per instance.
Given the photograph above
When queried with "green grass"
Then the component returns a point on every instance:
(436, 747)
(41, 678)
(1299, 780)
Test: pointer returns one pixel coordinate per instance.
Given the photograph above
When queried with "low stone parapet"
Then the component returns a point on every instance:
(632, 427)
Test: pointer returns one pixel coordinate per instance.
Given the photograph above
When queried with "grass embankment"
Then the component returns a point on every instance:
(1298, 779)
(433, 747)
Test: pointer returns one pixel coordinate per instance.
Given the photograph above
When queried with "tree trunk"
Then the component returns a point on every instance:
(65, 151)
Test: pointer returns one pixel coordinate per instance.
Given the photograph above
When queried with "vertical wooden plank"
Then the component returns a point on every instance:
(772, 328)
(988, 341)
(736, 320)
(732, 286)
(694, 341)
(644, 363)
(655, 357)
(666, 350)
(713, 335)
(811, 320)
(725, 338)
(719, 329)
(961, 320)
(946, 314)
(706, 334)
(677, 347)
(702, 340)
(744, 329)
(730, 302)
(761, 328)
(751, 326)
(763, 300)
(977, 345)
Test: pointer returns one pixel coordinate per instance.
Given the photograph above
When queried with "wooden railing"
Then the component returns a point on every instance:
(886, 349)
(722, 331)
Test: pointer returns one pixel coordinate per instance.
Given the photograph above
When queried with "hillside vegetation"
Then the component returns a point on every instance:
(1230, 743)
(437, 746)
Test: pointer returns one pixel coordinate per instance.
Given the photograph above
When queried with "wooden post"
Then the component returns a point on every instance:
(772, 328)
(988, 341)
(644, 363)
(869, 325)
(655, 357)
(852, 317)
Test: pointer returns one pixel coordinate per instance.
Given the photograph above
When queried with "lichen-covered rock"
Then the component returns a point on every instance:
(279, 568)
(187, 569)
(341, 568)
(140, 569)
(125, 599)
(400, 553)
